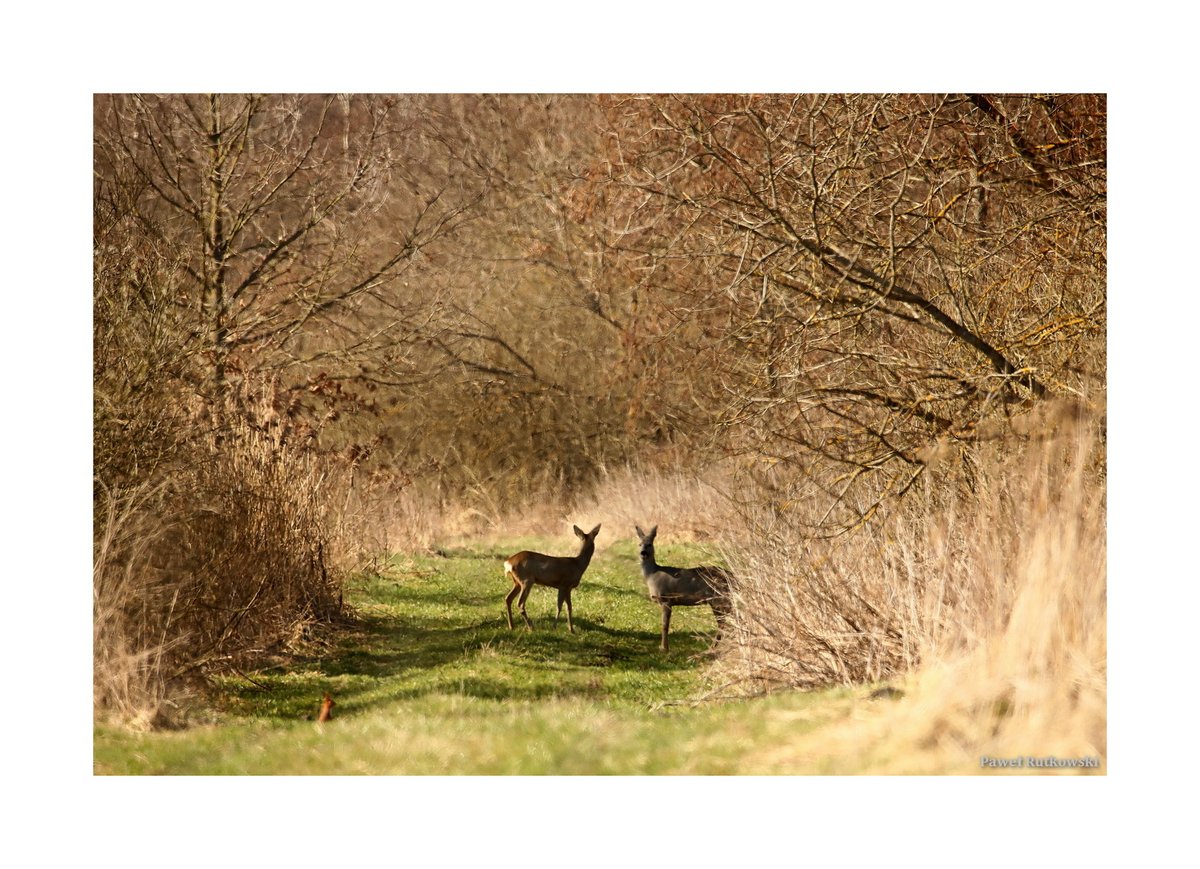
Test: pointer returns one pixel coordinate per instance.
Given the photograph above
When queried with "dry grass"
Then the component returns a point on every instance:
(689, 505)
(989, 604)
(128, 671)
(1028, 675)
(377, 517)
(208, 564)
(374, 516)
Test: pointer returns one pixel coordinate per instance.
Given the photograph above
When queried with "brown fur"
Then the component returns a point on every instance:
(326, 712)
(527, 569)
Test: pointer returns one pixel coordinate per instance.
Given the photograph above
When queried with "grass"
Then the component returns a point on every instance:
(432, 681)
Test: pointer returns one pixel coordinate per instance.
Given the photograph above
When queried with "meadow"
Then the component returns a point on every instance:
(351, 351)
(429, 680)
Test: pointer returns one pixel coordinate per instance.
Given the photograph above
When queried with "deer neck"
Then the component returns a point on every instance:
(585, 553)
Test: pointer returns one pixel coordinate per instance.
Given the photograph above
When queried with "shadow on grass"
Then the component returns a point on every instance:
(387, 646)
(438, 633)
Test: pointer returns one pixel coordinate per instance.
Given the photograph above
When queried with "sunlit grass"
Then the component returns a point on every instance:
(432, 681)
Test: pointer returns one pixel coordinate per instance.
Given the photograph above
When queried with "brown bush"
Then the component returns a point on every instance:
(206, 567)
(959, 566)
(209, 546)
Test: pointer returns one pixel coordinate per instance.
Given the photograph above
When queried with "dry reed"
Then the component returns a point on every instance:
(987, 601)
(213, 562)
(690, 505)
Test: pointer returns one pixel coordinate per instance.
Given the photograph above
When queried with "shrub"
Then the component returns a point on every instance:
(1007, 542)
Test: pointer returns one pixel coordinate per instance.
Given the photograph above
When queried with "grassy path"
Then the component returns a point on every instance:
(432, 681)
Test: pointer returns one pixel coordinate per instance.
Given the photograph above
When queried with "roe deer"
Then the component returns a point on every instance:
(683, 586)
(527, 569)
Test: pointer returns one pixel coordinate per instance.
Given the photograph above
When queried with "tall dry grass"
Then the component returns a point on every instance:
(985, 595)
(688, 504)
(129, 674)
(217, 557)
(1023, 673)
(376, 515)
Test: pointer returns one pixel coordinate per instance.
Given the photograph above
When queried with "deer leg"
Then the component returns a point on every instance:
(666, 608)
(570, 624)
(562, 596)
(525, 589)
(721, 613)
(508, 599)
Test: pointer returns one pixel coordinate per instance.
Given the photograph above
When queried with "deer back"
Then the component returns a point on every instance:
(550, 570)
(555, 571)
(687, 586)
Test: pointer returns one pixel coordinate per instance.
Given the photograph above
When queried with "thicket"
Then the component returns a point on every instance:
(872, 300)
(330, 326)
(211, 546)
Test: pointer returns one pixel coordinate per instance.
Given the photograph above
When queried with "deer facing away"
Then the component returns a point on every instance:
(683, 586)
(527, 569)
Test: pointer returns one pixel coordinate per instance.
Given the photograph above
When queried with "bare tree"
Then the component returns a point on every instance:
(297, 219)
(861, 276)
(526, 338)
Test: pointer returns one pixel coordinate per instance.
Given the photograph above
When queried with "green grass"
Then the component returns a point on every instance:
(432, 681)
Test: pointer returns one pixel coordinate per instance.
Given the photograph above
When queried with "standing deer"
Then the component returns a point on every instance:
(527, 569)
(683, 586)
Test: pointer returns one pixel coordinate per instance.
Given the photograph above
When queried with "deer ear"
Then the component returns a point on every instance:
(651, 533)
(594, 531)
(578, 533)
(640, 532)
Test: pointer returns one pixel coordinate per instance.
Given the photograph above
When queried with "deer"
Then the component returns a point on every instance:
(683, 586)
(527, 569)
